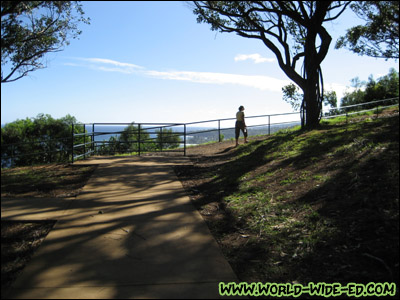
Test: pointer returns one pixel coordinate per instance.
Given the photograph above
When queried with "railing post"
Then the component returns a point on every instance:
(139, 139)
(269, 124)
(93, 147)
(161, 139)
(219, 131)
(84, 141)
(184, 139)
(72, 143)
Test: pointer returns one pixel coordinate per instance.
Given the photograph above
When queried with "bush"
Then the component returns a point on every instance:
(36, 140)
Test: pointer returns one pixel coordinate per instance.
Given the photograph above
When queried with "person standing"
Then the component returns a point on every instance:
(240, 125)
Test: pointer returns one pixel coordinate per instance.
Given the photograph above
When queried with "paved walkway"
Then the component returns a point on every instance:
(131, 233)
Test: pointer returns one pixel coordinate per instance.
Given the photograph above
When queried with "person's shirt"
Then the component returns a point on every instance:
(240, 116)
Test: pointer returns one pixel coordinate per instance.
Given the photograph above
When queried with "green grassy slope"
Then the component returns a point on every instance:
(302, 206)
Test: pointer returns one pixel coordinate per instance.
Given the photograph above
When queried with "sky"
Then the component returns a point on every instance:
(151, 62)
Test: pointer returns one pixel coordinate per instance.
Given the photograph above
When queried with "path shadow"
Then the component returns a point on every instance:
(131, 233)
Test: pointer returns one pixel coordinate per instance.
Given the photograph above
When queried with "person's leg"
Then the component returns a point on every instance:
(237, 132)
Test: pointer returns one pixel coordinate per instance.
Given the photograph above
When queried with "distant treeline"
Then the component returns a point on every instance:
(385, 87)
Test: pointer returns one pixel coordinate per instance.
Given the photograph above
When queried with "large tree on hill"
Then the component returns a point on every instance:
(293, 30)
(31, 29)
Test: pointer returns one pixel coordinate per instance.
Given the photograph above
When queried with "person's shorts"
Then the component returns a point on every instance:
(240, 126)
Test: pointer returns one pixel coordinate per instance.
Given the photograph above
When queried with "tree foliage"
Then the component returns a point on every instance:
(44, 140)
(135, 138)
(379, 37)
(385, 87)
(167, 139)
(293, 96)
(36, 140)
(293, 30)
(129, 139)
(31, 29)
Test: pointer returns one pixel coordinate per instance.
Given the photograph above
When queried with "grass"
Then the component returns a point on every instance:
(59, 180)
(320, 205)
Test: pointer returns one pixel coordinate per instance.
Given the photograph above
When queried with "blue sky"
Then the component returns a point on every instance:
(152, 62)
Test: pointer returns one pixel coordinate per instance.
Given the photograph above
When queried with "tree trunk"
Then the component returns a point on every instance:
(312, 98)
(310, 111)
(312, 90)
(312, 108)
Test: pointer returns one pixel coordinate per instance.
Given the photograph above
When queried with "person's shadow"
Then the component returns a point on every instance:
(227, 150)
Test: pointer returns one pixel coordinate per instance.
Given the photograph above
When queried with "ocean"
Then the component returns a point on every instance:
(105, 132)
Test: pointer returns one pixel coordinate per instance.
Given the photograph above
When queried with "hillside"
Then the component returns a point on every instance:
(297, 206)
(302, 206)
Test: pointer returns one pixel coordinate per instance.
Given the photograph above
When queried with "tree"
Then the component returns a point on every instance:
(31, 29)
(292, 30)
(294, 97)
(379, 37)
(167, 139)
(385, 87)
(37, 140)
(356, 96)
(129, 139)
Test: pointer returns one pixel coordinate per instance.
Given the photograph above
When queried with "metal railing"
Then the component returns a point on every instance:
(42, 151)
(358, 108)
(211, 131)
(88, 139)
(139, 138)
(147, 137)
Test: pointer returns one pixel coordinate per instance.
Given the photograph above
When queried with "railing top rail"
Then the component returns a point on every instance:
(132, 123)
(247, 117)
(163, 125)
(227, 119)
(365, 103)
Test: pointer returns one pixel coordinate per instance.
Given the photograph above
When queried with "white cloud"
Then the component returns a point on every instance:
(263, 83)
(257, 58)
(112, 62)
(102, 64)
